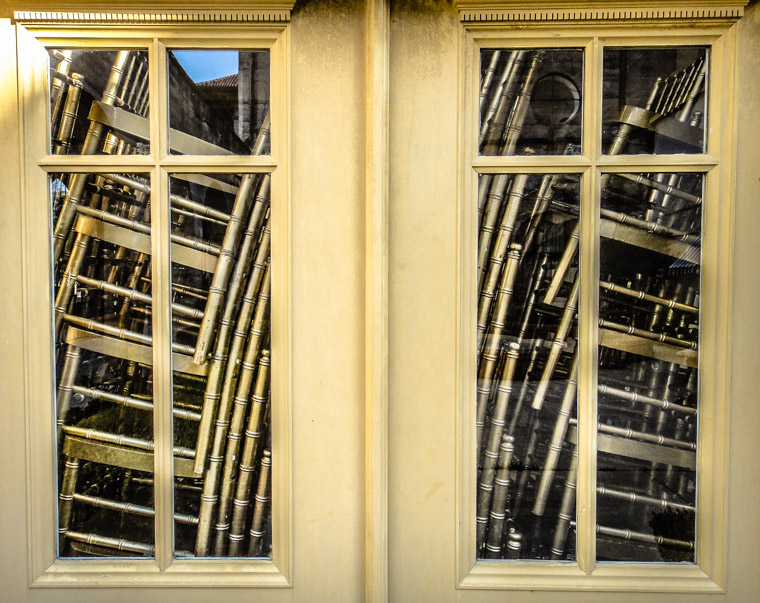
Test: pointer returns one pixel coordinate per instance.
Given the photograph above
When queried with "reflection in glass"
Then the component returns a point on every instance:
(221, 400)
(530, 102)
(648, 369)
(220, 318)
(654, 100)
(99, 102)
(526, 387)
(218, 101)
(104, 401)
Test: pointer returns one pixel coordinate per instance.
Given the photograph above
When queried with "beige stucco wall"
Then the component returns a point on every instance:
(328, 104)
(328, 299)
(744, 528)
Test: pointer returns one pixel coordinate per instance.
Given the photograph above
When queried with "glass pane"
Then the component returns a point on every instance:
(526, 386)
(99, 102)
(104, 377)
(648, 366)
(219, 102)
(654, 100)
(530, 102)
(220, 288)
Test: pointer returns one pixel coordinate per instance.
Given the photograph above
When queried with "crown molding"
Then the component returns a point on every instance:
(162, 12)
(495, 11)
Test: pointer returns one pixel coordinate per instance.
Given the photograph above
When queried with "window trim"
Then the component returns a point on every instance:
(708, 574)
(45, 570)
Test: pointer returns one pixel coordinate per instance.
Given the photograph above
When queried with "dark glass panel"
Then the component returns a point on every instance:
(654, 100)
(219, 102)
(99, 102)
(530, 101)
(104, 357)
(221, 292)
(648, 366)
(527, 349)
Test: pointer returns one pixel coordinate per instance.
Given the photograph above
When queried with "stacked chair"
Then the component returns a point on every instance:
(220, 250)
(527, 333)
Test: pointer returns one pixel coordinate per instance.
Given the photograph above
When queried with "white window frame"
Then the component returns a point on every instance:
(266, 28)
(591, 29)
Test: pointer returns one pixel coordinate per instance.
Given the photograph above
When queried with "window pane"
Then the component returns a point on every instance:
(218, 102)
(99, 102)
(654, 100)
(221, 400)
(527, 345)
(648, 369)
(104, 401)
(530, 102)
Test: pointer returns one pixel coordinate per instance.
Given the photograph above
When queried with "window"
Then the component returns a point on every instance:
(163, 148)
(593, 408)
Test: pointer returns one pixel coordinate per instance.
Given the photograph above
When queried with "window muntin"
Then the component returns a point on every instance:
(597, 172)
(211, 215)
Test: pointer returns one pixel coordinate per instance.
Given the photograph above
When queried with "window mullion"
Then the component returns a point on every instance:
(592, 79)
(587, 370)
(589, 317)
(162, 333)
